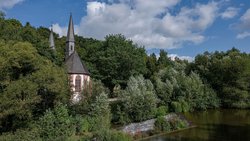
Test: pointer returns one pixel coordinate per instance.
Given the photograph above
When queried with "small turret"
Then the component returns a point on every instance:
(51, 40)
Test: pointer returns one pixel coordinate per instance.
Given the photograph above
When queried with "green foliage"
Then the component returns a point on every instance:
(98, 88)
(178, 124)
(93, 113)
(229, 75)
(29, 84)
(82, 124)
(139, 99)
(33, 83)
(161, 124)
(112, 135)
(183, 92)
(151, 65)
(13, 30)
(161, 111)
(185, 106)
(100, 112)
(22, 135)
(56, 124)
(10, 29)
(176, 106)
(114, 60)
(2, 15)
(163, 61)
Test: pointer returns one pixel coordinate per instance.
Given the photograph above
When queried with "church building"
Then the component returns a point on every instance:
(78, 74)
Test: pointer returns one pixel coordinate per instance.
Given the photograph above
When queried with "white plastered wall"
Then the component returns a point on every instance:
(77, 95)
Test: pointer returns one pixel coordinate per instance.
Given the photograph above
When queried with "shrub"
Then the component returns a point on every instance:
(176, 106)
(82, 124)
(185, 107)
(56, 124)
(161, 124)
(161, 111)
(178, 124)
(139, 99)
(22, 135)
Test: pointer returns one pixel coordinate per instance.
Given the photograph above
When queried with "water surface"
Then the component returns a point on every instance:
(213, 125)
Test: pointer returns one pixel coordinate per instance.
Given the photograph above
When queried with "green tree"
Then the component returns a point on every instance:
(228, 73)
(10, 29)
(119, 59)
(29, 84)
(2, 15)
(163, 60)
(56, 124)
(139, 99)
(151, 65)
(183, 92)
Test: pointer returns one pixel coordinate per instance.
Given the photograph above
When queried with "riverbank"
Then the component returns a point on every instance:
(162, 125)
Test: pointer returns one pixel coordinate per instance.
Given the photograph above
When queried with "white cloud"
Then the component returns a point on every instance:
(62, 31)
(149, 22)
(244, 25)
(5, 4)
(174, 56)
(245, 20)
(137, 20)
(243, 35)
(230, 12)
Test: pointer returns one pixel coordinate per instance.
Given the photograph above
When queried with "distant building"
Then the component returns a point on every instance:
(78, 74)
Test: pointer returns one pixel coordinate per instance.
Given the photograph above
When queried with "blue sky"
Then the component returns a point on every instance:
(182, 27)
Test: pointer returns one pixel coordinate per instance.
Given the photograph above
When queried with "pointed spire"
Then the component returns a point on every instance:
(70, 41)
(70, 35)
(51, 40)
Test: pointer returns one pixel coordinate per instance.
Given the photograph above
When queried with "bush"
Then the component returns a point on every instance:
(185, 107)
(56, 124)
(139, 99)
(161, 111)
(176, 106)
(22, 135)
(119, 136)
(178, 124)
(82, 125)
(161, 124)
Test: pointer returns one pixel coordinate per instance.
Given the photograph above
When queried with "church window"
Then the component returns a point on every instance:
(71, 47)
(78, 83)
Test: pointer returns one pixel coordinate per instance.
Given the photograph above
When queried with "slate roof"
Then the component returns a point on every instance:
(75, 66)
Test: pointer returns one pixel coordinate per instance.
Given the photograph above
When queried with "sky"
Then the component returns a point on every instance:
(183, 28)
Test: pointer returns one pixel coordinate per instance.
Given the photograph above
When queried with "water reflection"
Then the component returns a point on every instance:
(214, 125)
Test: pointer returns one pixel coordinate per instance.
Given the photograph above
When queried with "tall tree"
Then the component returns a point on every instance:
(119, 59)
(29, 84)
(228, 74)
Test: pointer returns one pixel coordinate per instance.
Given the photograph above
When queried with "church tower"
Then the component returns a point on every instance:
(78, 74)
(70, 41)
(51, 40)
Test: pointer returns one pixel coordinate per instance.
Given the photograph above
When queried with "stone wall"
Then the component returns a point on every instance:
(147, 125)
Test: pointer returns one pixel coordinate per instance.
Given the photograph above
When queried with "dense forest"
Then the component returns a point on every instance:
(35, 96)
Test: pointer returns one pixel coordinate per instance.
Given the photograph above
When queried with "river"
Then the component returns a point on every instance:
(213, 125)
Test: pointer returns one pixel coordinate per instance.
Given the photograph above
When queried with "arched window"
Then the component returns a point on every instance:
(71, 47)
(78, 85)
